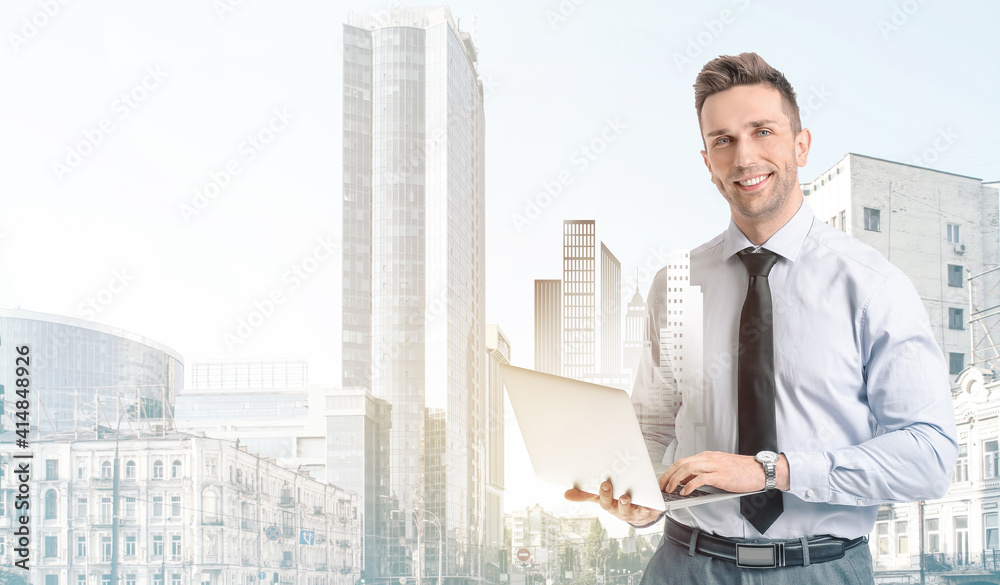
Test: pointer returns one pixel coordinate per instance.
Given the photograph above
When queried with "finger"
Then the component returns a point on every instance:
(696, 482)
(625, 508)
(607, 502)
(575, 495)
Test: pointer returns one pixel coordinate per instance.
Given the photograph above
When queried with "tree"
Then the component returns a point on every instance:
(13, 577)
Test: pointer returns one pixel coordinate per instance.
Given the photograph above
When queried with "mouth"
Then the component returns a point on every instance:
(754, 183)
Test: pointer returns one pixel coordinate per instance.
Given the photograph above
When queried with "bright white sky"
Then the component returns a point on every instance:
(886, 79)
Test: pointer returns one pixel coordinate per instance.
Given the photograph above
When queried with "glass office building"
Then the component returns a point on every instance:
(413, 292)
(85, 374)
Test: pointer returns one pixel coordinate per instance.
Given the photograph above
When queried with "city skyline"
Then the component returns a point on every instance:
(262, 72)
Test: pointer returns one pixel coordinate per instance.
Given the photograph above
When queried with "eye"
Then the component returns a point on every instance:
(763, 132)
(722, 141)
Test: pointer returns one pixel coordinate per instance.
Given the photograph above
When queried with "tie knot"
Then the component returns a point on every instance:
(758, 263)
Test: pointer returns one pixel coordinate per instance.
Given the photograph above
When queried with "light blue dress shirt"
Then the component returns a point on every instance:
(863, 405)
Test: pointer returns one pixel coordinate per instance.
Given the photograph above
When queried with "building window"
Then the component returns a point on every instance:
(175, 469)
(81, 546)
(106, 512)
(209, 505)
(51, 510)
(129, 507)
(81, 579)
(106, 470)
(158, 579)
(157, 545)
(175, 579)
(52, 580)
(130, 579)
(105, 579)
(843, 221)
(51, 469)
(106, 549)
(175, 506)
(956, 318)
(990, 467)
(81, 507)
(991, 531)
(872, 217)
(962, 463)
(956, 363)
(882, 538)
(130, 546)
(902, 539)
(955, 275)
(175, 547)
(130, 470)
(157, 506)
(211, 465)
(51, 546)
(962, 539)
(953, 234)
(157, 469)
(933, 535)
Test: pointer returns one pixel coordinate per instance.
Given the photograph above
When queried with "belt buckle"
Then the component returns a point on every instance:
(760, 556)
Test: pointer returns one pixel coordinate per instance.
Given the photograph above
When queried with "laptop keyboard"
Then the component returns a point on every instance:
(676, 494)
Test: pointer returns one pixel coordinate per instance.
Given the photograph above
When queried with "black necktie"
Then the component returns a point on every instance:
(757, 429)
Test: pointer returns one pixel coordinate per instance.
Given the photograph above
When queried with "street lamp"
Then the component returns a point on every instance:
(438, 524)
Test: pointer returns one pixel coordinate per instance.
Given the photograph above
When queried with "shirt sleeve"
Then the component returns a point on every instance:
(913, 453)
(648, 396)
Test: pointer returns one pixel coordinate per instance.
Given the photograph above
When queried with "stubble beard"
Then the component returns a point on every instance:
(780, 192)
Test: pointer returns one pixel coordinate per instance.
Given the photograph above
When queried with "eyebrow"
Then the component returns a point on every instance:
(751, 124)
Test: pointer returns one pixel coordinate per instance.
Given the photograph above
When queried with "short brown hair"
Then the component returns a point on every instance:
(728, 71)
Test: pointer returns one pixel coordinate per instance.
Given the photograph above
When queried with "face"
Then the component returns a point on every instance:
(753, 155)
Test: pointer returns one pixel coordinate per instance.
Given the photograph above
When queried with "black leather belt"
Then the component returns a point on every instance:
(764, 555)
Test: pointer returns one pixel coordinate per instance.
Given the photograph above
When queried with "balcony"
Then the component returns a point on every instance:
(987, 561)
(286, 502)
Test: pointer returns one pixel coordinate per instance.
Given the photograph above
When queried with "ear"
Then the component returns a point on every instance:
(708, 165)
(802, 143)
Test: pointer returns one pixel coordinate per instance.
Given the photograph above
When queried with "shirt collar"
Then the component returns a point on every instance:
(786, 242)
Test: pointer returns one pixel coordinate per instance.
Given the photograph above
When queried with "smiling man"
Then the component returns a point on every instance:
(822, 384)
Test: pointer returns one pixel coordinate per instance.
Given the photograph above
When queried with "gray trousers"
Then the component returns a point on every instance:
(672, 565)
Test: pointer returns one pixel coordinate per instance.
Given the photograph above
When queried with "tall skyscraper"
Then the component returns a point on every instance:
(414, 307)
(938, 228)
(611, 312)
(498, 353)
(579, 299)
(548, 326)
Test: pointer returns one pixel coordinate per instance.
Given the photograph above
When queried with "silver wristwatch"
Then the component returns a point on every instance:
(769, 459)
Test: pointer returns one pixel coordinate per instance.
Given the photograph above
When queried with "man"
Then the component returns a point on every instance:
(822, 380)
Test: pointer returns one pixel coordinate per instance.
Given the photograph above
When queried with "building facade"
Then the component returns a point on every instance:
(267, 405)
(414, 274)
(548, 326)
(498, 354)
(87, 374)
(191, 510)
(610, 321)
(579, 290)
(939, 228)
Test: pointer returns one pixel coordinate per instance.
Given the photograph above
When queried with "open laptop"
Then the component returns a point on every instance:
(579, 434)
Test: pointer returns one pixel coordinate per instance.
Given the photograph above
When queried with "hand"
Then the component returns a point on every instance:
(726, 471)
(622, 508)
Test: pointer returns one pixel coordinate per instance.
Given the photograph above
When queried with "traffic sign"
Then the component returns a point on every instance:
(272, 532)
(523, 555)
(307, 537)
(262, 575)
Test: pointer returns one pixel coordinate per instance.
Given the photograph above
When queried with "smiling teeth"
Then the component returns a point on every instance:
(753, 182)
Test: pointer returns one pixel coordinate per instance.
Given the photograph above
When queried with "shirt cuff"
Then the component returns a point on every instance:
(658, 518)
(808, 475)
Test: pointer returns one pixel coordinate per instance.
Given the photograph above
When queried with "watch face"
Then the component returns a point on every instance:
(767, 457)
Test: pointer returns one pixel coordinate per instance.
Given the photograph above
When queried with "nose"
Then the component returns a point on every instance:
(746, 153)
